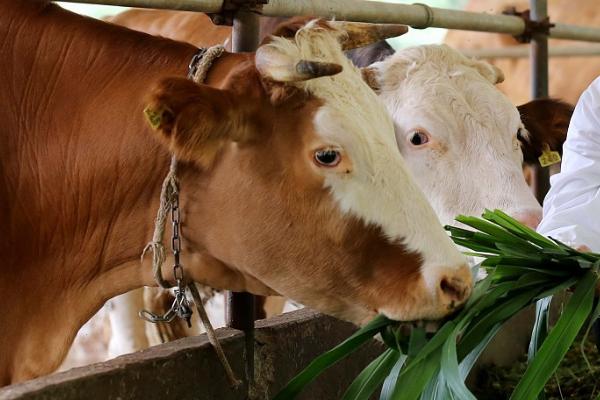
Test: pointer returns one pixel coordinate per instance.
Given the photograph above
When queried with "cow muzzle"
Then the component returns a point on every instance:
(433, 297)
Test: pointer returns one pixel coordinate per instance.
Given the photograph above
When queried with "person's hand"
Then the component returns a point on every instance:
(584, 249)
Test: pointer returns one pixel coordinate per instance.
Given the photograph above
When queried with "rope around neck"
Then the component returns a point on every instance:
(170, 187)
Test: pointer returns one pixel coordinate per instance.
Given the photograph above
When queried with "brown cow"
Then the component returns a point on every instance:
(289, 181)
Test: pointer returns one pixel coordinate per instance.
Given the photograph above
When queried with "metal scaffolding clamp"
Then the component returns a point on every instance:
(226, 15)
(430, 17)
(532, 27)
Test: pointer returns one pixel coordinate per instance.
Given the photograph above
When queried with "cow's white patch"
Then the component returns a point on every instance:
(380, 189)
(473, 160)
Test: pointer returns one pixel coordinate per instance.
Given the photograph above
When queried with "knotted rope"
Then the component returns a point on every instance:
(170, 188)
(203, 62)
(198, 69)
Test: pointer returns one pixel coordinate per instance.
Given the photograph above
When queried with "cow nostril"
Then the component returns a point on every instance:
(454, 289)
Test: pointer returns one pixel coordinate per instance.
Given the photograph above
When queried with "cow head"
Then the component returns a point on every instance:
(461, 137)
(295, 181)
(546, 122)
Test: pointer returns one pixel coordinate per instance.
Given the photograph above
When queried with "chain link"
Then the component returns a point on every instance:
(176, 240)
(181, 306)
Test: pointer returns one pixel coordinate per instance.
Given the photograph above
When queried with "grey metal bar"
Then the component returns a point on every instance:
(244, 36)
(575, 32)
(239, 314)
(415, 15)
(240, 310)
(523, 52)
(207, 6)
(539, 84)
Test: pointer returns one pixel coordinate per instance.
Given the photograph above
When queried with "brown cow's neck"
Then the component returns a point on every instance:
(79, 176)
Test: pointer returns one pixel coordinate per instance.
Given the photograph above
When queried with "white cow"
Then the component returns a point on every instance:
(458, 133)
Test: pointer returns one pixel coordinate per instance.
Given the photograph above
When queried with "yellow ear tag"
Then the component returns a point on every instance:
(154, 117)
(548, 157)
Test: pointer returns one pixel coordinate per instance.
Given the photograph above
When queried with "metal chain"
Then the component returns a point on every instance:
(181, 306)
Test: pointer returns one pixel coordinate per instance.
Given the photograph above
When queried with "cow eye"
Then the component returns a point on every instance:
(328, 158)
(521, 135)
(418, 138)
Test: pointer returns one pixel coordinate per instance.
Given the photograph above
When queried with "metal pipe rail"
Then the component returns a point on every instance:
(523, 52)
(240, 311)
(539, 85)
(415, 15)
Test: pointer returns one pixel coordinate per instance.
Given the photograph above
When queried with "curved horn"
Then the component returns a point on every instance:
(272, 64)
(362, 34)
(314, 69)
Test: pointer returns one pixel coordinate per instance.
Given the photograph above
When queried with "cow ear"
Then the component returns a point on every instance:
(547, 122)
(371, 76)
(197, 121)
(489, 71)
(288, 28)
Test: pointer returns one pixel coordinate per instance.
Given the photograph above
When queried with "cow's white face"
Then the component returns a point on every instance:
(457, 132)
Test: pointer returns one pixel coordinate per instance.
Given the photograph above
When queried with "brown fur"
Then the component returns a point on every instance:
(195, 26)
(198, 119)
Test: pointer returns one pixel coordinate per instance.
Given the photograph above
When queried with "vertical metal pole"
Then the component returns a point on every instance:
(539, 84)
(240, 309)
(244, 36)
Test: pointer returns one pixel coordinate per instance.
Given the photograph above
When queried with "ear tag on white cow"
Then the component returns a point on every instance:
(549, 157)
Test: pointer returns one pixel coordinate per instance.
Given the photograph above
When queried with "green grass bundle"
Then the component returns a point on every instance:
(523, 268)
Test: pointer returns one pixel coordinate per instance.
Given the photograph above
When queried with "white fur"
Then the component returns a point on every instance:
(379, 189)
(474, 159)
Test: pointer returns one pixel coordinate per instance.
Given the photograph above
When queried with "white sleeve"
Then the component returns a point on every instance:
(572, 206)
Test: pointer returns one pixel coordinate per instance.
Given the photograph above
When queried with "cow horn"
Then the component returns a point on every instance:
(313, 69)
(361, 34)
(271, 64)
